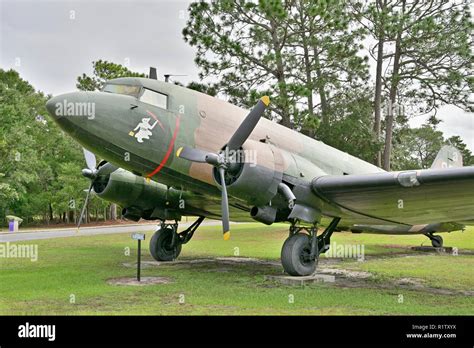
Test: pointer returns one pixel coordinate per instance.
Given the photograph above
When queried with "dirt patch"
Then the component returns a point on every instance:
(359, 279)
(143, 264)
(143, 281)
(217, 261)
(345, 278)
(345, 272)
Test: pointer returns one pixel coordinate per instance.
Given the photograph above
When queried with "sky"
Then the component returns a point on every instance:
(50, 43)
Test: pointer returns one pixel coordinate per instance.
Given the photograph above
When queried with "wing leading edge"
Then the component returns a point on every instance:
(407, 197)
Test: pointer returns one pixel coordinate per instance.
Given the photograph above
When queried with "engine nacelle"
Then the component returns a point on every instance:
(140, 199)
(255, 180)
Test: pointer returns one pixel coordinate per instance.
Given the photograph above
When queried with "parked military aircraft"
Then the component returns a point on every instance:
(171, 152)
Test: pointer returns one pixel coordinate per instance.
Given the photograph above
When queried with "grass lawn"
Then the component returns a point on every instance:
(78, 268)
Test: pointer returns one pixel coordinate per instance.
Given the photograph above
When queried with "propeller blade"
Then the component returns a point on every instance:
(85, 205)
(106, 169)
(224, 205)
(90, 159)
(248, 124)
(193, 155)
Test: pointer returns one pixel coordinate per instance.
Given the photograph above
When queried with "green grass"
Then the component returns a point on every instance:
(81, 265)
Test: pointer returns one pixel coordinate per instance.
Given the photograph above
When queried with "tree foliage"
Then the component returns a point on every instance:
(33, 155)
(416, 148)
(103, 71)
(423, 56)
(304, 54)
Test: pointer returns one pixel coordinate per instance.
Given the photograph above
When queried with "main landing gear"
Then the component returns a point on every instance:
(166, 243)
(436, 241)
(300, 252)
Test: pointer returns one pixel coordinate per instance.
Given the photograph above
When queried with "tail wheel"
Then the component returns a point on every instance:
(161, 244)
(437, 241)
(295, 255)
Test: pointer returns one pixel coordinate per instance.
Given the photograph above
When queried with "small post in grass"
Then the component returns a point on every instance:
(138, 237)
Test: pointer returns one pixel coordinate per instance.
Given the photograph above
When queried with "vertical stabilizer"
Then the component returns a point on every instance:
(447, 157)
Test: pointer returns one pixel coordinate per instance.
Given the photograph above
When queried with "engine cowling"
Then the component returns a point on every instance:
(140, 199)
(256, 176)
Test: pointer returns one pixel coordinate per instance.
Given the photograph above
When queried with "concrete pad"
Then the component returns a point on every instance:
(430, 249)
(314, 278)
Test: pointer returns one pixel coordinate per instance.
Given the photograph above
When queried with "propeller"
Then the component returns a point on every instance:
(223, 161)
(93, 173)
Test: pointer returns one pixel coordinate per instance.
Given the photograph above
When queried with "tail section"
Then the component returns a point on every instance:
(447, 157)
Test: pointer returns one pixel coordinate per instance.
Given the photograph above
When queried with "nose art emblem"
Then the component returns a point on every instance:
(144, 129)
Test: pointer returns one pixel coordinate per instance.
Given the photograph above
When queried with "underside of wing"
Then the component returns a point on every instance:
(407, 197)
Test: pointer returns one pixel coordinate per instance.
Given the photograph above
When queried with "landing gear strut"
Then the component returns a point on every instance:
(300, 252)
(436, 241)
(166, 243)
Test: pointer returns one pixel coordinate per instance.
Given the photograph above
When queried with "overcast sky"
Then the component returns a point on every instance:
(50, 43)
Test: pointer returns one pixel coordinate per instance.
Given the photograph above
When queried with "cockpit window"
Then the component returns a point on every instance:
(154, 98)
(122, 89)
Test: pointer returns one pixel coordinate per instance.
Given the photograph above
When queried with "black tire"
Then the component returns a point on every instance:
(292, 252)
(437, 241)
(160, 245)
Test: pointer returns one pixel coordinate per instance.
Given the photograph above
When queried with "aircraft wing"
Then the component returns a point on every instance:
(407, 197)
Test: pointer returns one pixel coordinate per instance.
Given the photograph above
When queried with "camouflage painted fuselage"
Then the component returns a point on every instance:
(143, 139)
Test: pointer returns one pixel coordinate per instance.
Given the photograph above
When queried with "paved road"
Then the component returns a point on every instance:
(86, 231)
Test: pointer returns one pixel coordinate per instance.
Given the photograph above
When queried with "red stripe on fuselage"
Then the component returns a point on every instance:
(156, 119)
(168, 152)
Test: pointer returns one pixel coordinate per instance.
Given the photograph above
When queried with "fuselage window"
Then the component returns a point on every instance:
(122, 89)
(154, 98)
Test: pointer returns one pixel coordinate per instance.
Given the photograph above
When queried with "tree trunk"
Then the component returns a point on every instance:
(321, 91)
(51, 217)
(113, 211)
(378, 99)
(378, 83)
(71, 217)
(393, 99)
(307, 65)
(280, 75)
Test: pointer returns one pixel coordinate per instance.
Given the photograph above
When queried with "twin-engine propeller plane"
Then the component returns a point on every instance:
(171, 152)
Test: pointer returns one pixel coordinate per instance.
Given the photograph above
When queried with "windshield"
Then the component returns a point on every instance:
(122, 89)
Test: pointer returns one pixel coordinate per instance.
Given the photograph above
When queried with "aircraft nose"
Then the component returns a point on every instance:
(75, 104)
(50, 105)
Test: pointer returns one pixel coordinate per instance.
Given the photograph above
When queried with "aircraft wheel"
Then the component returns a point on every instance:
(437, 241)
(294, 255)
(160, 245)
